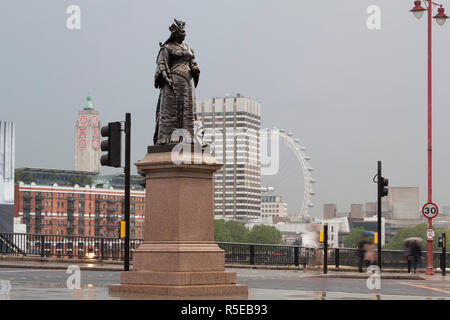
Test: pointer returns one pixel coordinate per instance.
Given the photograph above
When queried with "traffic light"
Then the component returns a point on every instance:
(383, 186)
(112, 145)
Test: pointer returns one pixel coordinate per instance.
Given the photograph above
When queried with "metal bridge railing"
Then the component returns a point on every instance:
(104, 248)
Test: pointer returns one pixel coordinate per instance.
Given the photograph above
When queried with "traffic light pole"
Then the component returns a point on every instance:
(126, 266)
(380, 186)
(325, 248)
(444, 254)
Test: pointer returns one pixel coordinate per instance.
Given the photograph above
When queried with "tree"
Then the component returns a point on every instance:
(265, 235)
(74, 180)
(29, 177)
(17, 176)
(52, 177)
(420, 231)
(238, 231)
(221, 232)
(352, 239)
(84, 180)
(438, 234)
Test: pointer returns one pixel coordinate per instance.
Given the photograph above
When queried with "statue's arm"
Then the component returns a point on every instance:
(162, 73)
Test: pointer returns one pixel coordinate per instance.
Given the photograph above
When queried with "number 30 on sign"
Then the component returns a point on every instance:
(430, 210)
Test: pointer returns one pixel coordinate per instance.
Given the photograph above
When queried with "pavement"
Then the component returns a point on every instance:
(31, 279)
(85, 265)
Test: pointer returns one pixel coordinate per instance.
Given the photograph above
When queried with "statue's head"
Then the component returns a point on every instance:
(177, 30)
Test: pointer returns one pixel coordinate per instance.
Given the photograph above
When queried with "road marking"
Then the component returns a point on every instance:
(425, 287)
(321, 295)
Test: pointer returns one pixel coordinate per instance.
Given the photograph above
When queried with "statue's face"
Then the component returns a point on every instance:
(180, 35)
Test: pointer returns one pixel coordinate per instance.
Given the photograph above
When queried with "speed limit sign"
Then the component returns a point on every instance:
(430, 210)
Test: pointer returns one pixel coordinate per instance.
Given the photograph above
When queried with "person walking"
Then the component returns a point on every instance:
(370, 254)
(408, 256)
(416, 254)
(362, 252)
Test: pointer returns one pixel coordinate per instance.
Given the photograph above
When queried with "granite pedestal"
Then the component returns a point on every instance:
(179, 257)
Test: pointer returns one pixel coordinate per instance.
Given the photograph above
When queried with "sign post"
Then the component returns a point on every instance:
(430, 211)
(444, 254)
(127, 190)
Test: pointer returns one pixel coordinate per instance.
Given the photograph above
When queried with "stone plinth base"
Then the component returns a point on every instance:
(179, 284)
(179, 257)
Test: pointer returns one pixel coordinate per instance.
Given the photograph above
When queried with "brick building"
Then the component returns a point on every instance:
(75, 210)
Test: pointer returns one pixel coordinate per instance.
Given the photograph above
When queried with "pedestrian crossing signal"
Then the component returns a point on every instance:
(441, 242)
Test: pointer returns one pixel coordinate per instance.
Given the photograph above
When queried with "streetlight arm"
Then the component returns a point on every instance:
(436, 4)
(427, 3)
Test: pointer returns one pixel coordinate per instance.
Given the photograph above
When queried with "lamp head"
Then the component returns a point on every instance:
(418, 10)
(441, 17)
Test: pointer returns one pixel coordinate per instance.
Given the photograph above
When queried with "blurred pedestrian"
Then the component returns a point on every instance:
(362, 251)
(408, 256)
(416, 254)
(370, 254)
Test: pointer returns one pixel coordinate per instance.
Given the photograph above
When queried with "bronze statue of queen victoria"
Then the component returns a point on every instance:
(175, 72)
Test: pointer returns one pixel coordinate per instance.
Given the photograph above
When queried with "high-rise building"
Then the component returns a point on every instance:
(234, 124)
(87, 139)
(329, 210)
(356, 211)
(371, 208)
(404, 203)
(7, 153)
(7, 144)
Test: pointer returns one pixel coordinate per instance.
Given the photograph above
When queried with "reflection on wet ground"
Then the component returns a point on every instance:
(54, 291)
(59, 291)
(263, 285)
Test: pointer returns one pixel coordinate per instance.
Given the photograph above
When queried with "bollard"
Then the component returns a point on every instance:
(101, 250)
(42, 245)
(336, 257)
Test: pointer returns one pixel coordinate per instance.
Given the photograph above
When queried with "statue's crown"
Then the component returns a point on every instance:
(177, 25)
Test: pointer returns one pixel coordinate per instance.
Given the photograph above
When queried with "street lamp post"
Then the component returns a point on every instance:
(441, 17)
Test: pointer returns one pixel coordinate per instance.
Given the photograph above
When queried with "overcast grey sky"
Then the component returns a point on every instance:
(351, 95)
